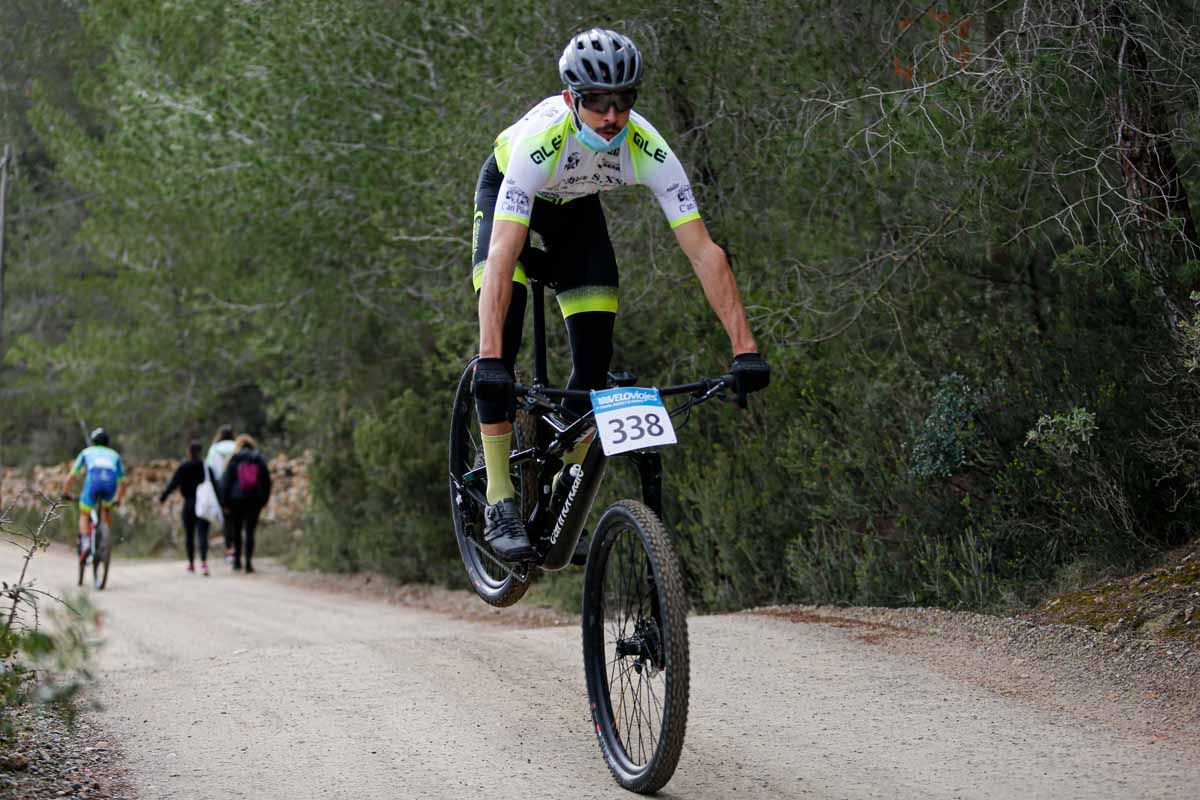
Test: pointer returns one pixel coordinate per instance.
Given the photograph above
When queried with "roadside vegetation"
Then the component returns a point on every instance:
(46, 642)
(963, 232)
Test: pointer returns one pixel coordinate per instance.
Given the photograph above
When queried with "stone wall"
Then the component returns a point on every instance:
(289, 489)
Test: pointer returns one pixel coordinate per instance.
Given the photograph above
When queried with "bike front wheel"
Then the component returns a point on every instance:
(495, 581)
(635, 646)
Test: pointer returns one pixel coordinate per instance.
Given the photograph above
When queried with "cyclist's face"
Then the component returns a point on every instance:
(608, 124)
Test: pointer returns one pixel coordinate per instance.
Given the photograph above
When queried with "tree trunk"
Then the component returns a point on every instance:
(3, 195)
(1162, 224)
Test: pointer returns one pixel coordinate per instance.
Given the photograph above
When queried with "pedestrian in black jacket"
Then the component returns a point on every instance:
(187, 477)
(245, 489)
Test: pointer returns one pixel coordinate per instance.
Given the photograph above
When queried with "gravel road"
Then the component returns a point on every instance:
(265, 687)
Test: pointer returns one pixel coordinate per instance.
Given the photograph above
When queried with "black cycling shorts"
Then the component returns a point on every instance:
(579, 262)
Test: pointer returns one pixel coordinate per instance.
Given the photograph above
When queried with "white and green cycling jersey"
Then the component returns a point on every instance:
(541, 157)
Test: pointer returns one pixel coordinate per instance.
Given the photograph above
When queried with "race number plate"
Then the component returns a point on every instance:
(631, 418)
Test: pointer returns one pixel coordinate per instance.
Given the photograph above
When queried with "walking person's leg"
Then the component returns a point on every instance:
(202, 530)
(233, 529)
(251, 526)
(189, 536)
(228, 540)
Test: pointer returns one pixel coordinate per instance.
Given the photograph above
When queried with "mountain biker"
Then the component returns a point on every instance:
(103, 485)
(545, 174)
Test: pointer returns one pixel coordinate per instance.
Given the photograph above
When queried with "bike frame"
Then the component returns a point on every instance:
(556, 523)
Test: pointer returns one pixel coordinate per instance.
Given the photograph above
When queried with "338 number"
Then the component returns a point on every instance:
(635, 426)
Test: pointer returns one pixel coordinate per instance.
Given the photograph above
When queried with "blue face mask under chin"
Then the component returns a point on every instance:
(594, 141)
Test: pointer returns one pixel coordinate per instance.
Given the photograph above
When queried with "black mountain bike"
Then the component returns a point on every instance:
(99, 553)
(635, 645)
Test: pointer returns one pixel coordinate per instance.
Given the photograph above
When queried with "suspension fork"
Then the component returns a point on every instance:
(649, 467)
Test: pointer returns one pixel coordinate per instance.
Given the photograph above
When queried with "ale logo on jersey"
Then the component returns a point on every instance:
(540, 155)
(641, 143)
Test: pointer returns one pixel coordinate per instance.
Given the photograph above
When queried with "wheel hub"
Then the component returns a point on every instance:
(645, 645)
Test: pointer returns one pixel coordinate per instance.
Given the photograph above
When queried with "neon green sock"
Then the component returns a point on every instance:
(495, 456)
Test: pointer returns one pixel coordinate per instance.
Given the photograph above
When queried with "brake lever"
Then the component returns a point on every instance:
(728, 382)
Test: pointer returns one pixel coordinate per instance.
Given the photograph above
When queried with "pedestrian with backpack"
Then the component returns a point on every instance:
(245, 489)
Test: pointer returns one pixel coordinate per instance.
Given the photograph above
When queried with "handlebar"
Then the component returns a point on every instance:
(700, 391)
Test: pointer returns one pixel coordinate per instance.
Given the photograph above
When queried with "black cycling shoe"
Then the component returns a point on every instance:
(504, 531)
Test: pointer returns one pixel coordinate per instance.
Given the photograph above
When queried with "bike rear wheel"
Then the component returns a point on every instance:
(101, 554)
(494, 580)
(635, 646)
(82, 559)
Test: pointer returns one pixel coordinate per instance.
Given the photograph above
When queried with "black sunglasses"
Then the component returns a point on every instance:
(599, 102)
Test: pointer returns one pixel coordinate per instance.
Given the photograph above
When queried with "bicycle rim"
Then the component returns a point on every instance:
(635, 646)
(495, 581)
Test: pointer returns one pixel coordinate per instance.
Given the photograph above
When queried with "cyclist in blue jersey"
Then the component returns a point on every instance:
(103, 485)
(545, 174)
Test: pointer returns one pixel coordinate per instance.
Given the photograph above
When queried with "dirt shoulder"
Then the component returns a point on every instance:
(1121, 680)
(1161, 604)
(50, 759)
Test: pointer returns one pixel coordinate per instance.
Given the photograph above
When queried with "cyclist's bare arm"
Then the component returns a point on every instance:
(712, 268)
(495, 295)
(66, 490)
(508, 238)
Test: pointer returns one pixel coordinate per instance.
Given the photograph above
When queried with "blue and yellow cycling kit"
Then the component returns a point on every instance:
(104, 473)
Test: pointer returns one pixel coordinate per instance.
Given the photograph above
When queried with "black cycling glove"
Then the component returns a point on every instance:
(750, 373)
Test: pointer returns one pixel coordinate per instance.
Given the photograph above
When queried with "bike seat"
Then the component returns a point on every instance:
(537, 265)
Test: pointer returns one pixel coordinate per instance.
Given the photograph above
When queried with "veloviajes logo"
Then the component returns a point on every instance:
(628, 396)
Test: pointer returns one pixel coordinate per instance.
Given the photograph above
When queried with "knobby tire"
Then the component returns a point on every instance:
(634, 599)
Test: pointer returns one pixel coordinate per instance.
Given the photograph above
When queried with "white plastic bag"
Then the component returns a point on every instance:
(207, 505)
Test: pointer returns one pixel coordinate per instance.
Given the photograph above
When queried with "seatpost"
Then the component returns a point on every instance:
(539, 334)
